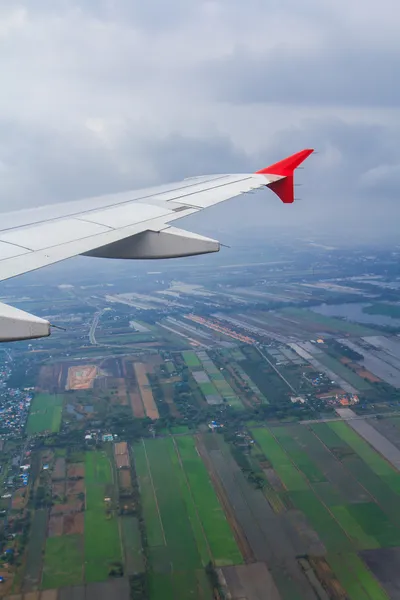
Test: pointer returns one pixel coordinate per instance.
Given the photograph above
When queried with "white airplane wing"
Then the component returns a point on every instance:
(134, 225)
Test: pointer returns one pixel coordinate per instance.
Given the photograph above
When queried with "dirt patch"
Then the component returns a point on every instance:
(75, 592)
(81, 378)
(75, 487)
(59, 469)
(124, 478)
(56, 525)
(49, 379)
(58, 489)
(74, 523)
(76, 470)
(32, 596)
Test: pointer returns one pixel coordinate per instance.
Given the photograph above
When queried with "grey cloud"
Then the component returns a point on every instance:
(102, 96)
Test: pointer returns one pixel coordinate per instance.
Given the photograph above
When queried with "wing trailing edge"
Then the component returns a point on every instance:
(283, 171)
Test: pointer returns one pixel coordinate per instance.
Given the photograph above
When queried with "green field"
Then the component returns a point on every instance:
(45, 414)
(355, 577)
(63, 561)
(185, 523)
(290, 476)
(102, 545)
(191, 359)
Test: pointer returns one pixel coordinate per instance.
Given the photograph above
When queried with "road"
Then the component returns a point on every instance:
(277, 371)
(93, 326)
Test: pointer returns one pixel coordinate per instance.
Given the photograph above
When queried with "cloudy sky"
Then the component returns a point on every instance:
(106, 95)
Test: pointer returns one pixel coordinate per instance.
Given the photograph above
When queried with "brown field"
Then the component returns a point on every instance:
(76, 470)
(75, 487)
(137, 405)
(81, 378)
(74, 523)
(18, 499)
(59, 469)
(58, 489)
(68, 508)
(249, 581)
(55, 525)
(124, 478)
(368, 375)
(48, 595)
(122, 460)
(32, 596)
(49, 379)
(145, 391)
(122, 395)
(121, 448)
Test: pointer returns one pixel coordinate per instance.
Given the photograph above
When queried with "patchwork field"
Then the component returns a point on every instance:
(348, 493)
(45, 414)
(81, 378)
(186, 526)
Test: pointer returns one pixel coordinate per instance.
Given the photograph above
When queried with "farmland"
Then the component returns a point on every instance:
(332, 475)
(185, 524)
(45, 414)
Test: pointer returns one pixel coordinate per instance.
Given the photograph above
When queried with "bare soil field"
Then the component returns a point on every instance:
(76, 470)
(124, 478)
(122, 460)
(59, 469)
(81, 378)
(121, 448)
(58, 489)
(74, 592)
(368, 375)
(18, 500)
(271, 538)
(117, 588)
(74, 523)
(253, 582)
(49, 379)
(145, 391)
(137, 405)
(66, 509)
(48, 595)
(75, 487)
(55, 525)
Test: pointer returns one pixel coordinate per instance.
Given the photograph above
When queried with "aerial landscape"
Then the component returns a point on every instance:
(223, 431)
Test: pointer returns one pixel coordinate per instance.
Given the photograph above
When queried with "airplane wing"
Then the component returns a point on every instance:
(132, 225)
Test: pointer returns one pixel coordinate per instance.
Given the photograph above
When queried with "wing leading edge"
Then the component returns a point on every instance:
(132, 225)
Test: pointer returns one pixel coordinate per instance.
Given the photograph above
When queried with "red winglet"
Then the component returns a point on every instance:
(284, 188)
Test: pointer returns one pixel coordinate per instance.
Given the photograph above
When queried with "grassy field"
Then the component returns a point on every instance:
(45, 414)
(191, 359)
(63, 561)
(102, 544)
(185, 523)
(355, 577)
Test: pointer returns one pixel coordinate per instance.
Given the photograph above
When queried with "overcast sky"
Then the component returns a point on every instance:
(107, 95)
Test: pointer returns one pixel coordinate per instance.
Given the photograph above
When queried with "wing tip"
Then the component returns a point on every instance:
(288, 165)
(284, 186)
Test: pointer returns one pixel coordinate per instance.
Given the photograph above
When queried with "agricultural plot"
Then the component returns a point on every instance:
(350, 496)
(186, 526)
(102, 546)
(45, 414)
(191, 359)
(313, 318)
(344, 372)
(63, 561)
